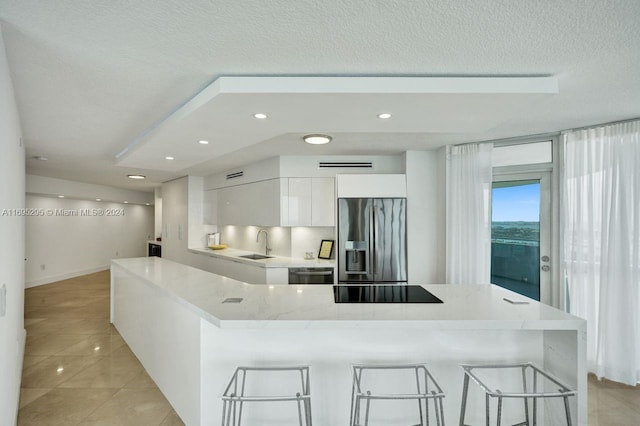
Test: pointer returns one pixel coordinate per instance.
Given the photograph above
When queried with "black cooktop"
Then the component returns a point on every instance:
(375, 293)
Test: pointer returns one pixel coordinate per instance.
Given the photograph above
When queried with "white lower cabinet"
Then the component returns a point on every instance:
(244, 272)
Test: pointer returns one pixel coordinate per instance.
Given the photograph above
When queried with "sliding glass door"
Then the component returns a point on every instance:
(520, 234)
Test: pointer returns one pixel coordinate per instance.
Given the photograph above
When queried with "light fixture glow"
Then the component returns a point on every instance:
(260, 115)
(98, 199)
(60, 196)
(97, 348)
(384, 115)
(203, 142)
(60, 369)
(126, 202)
(168, 157)
(136, 176)
(147, 204)
(317, 139)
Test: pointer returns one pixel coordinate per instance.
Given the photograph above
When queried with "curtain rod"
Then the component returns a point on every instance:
(593, 126)
(519, 139)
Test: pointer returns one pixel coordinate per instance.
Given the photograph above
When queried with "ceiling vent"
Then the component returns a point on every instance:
(345, 165)
(235, 175)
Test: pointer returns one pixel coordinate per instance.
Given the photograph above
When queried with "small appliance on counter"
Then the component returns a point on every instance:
(213, 241)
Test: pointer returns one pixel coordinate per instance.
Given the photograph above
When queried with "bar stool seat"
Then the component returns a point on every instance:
(234, 396)
(426, 389)
(530, 390)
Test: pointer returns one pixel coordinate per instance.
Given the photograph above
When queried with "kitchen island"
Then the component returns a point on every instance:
(175, 319)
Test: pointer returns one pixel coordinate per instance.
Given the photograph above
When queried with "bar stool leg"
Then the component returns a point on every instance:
(419, 400)
(499, 411)
(526, 401)
(435, 402)
(567, 411)
(366, 412)
(465, 390)
(487, 408)
(441, 410)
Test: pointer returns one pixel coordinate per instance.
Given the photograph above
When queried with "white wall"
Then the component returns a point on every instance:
(12, 251)
(425, 218)
(60, 247)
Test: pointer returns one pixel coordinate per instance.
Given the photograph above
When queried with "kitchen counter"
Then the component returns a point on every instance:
(273, 262)
(184, 313)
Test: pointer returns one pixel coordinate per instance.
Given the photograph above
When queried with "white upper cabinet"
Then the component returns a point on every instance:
(257, 203)
(299, 201)
(323, 202)
(278, 202)
(372, 186)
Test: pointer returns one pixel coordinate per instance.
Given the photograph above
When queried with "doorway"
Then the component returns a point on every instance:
(520, 234)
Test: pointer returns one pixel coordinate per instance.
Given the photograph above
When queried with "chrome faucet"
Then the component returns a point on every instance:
(267, 249)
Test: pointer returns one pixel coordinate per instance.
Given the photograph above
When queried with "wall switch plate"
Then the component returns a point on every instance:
(3, 300)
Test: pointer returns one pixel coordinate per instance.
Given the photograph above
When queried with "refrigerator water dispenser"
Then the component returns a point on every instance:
(356, 257)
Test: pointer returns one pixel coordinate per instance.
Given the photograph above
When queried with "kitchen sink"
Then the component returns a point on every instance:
(256, 256)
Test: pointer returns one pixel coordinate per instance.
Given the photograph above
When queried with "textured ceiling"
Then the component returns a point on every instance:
(91, 77)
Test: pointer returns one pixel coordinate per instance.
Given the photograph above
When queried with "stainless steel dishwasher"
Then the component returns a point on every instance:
(311, 276)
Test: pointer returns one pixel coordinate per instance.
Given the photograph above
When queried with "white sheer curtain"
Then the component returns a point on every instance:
(601, 222)
(469, 214)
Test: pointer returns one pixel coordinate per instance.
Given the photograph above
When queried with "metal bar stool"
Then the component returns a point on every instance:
(234, 396)
(529, 391)
(426, 389)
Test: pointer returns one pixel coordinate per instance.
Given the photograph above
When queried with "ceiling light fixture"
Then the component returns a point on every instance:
(60, 196)
(384, 115)
(260, 115)
(126, 202)
(98, 199)
(168, 158)
(136, 176)
(147, 204)
(203, 142)
(317, 139)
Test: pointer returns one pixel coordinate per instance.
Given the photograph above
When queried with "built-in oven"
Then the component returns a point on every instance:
(311, 276)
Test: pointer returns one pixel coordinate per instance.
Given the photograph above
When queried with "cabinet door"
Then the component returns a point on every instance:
(299, 202)
(323, 202)
(257, 204)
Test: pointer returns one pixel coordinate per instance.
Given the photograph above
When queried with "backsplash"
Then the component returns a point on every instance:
(308, 239)
(244, 238)
(284, 241)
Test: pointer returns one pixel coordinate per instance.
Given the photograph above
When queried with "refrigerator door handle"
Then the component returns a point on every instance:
(372, 243)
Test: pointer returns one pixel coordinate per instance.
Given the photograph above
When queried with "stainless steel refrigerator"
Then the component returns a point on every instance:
(372, 241)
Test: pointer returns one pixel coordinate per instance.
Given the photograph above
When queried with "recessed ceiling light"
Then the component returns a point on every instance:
(136, 176)
(126, 202)
(203, 142)
(384, 115)
(317, 139)
(60, 196)
(148, 204)
(168, 158)
(98, 199)
(260, 115)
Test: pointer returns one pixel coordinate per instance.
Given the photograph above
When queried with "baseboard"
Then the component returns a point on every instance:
(55, 278)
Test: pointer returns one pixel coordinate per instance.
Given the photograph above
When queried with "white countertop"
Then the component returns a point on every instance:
(479, 307)
(273, 262)
(154, 242)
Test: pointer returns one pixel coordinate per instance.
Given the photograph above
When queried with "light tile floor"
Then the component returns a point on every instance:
(79, 371)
